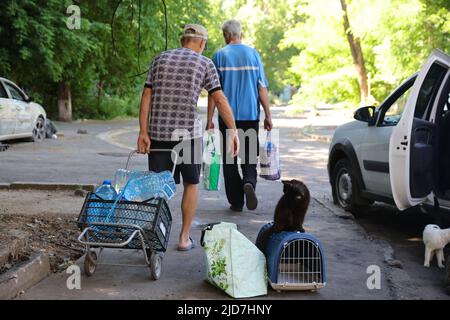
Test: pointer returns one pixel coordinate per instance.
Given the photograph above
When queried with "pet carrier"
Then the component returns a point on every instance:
(126, 225)
(295, 261)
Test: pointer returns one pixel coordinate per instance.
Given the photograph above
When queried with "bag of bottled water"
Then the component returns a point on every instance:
(149, 186)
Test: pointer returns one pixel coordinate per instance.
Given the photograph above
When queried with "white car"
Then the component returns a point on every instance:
(20, 117)
(398, 153)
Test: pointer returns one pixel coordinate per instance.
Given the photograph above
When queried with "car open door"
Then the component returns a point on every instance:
(411, 147)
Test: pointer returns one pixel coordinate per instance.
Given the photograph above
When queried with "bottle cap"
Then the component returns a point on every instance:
(107, 182)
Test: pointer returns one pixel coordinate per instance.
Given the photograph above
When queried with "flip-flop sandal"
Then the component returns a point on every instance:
(190, 247)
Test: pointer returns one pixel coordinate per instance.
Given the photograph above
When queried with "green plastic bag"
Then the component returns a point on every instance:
(211, 165)
(234, 263)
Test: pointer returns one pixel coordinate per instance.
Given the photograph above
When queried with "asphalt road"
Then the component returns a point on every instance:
(351, 245)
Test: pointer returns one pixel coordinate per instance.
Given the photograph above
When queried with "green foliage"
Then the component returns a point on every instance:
(396, 37)
(301, 42)
(38, 51)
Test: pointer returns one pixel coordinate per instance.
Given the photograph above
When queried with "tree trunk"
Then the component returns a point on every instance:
(64, 102)
(357, 54)
(99, 91)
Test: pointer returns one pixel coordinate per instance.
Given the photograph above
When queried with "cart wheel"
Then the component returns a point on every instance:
(90, 263)
(155, 266)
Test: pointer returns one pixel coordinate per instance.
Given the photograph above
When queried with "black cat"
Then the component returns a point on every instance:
(290, 211)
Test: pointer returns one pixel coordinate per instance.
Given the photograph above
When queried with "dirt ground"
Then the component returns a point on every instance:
(51, 227)
(37, 202)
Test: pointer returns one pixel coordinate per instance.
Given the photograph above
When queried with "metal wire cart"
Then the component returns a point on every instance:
(126, 225)
(295, 261)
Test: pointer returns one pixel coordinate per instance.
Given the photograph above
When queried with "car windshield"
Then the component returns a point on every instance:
(15, 93)
(2, 91)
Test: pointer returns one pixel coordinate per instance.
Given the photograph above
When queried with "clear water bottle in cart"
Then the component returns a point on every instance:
(106, 191)
(98, 210)
(150, 186)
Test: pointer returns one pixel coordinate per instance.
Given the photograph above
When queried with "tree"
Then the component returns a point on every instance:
(398, 35)
(357, 53)
(78, 69)
(300, 41)
(39, 46)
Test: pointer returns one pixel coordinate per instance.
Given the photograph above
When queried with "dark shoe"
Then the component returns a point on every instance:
(235, 209)
(250, 196)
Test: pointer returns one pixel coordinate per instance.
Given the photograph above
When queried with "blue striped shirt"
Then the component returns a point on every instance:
(241, 72)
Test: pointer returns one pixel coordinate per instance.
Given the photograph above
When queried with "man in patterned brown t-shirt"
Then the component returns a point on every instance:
(169, 120)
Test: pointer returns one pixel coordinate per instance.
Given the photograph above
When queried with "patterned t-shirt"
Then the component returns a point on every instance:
(177, 78)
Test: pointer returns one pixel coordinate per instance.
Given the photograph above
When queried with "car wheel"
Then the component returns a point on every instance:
(346, 190)
(39, 130)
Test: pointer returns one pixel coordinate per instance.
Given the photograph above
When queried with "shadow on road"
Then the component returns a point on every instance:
(403, 230)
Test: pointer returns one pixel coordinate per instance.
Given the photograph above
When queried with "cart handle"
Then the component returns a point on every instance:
(119, 197)
(175, 157)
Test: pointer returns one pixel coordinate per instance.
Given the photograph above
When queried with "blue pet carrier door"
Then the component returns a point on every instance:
(295, 261)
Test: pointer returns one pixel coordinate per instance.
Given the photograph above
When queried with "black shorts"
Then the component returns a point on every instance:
(189, 167)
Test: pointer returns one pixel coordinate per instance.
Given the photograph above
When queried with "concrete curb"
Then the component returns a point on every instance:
(46, 186)
(24, 276)
(336, 211)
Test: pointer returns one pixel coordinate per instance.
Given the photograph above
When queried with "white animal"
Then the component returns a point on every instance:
(435, 239)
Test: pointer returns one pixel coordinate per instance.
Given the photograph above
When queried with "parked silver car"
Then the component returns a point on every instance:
(20, 117)
(398, 153)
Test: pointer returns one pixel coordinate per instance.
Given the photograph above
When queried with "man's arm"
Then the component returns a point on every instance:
(226, 114)
(143, 143)
(224, 108)
(265, 102)
(211, 109)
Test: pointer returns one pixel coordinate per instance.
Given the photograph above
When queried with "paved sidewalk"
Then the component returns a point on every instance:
(348, 253)
(92, 157)
(321, 125)
(348, 248)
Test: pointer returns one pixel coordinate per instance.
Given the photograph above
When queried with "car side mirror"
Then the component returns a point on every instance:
(30, 99)
(365, 114)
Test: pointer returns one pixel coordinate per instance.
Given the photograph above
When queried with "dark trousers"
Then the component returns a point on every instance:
(249, 158)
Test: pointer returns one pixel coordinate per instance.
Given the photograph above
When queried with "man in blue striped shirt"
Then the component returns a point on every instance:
(244, 83)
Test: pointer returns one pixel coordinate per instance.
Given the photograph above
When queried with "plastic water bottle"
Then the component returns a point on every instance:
(121, 179)
(269, 147)
(169, 186)
(98, 211)
(106, 191)
(150, 186)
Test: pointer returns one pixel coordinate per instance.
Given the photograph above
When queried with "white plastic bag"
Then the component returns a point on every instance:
(234, 263)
